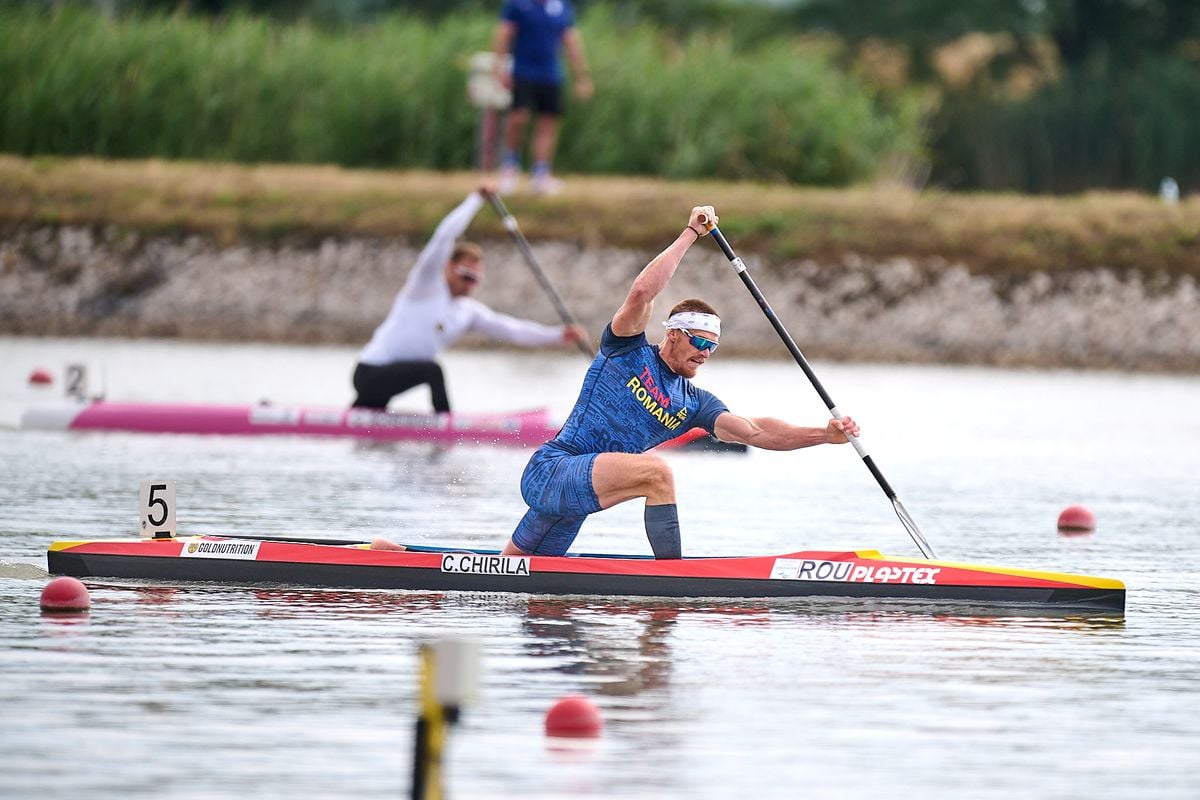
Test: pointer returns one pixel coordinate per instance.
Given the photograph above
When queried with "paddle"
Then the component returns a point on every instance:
(510, 222)
(740, 267)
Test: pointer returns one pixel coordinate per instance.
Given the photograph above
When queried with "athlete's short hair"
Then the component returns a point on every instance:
(469, 249)
(693, 304)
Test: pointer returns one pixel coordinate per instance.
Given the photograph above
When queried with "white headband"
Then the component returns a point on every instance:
(689, 320)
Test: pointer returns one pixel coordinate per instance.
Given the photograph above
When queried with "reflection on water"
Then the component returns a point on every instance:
(596, 641)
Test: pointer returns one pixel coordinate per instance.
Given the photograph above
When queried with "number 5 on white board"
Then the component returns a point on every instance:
(157, 509)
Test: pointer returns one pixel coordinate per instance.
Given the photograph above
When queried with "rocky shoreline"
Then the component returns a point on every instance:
(79, 281)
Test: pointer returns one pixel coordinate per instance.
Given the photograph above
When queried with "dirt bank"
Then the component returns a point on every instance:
(105, 281)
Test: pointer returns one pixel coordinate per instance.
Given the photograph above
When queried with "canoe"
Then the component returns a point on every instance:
(860, 574)
(516, 428)
(513, 429)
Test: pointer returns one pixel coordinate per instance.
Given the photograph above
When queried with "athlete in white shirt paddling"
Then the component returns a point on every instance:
(433, 310)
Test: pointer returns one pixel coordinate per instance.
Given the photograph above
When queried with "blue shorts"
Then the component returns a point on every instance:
(558, 488)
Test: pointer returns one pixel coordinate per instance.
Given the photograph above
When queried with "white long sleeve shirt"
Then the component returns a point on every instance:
(425, 318)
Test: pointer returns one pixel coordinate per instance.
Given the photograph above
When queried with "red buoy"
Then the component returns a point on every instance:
(65, 594)
(574, 716)
(1076, 519)
(41, 377)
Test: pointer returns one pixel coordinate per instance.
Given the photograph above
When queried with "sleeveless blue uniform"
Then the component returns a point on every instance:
(630, 402)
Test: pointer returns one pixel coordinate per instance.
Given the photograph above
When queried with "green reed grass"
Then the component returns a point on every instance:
(1105, 125)
(699, 107)
(393, 95)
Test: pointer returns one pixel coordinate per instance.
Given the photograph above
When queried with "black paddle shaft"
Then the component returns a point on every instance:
(790, 343)
(510, 222)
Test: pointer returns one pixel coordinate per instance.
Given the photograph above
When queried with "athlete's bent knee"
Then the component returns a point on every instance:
(658, 478)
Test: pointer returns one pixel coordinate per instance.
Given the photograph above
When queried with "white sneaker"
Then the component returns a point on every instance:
(509, 178)
(546, 185)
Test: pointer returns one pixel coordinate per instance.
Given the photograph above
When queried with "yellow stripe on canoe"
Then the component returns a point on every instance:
(64, 545)
(1061, 577)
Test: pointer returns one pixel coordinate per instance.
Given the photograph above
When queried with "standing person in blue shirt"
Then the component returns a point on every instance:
(533, 31)
(433, 310)
(635, 396)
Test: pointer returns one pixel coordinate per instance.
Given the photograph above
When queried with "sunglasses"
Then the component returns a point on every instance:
(468, 274)
(699, 342)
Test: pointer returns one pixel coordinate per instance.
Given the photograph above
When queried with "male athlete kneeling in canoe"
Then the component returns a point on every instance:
(635, 396)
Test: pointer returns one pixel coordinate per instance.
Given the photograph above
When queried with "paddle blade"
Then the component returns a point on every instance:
(912, 528)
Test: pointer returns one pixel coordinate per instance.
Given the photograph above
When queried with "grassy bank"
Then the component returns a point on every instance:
(989, 233)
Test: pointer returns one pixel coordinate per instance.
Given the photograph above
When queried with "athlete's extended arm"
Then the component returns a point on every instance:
(427, 274)
(774, 434)
(525, 332)
(634, 313)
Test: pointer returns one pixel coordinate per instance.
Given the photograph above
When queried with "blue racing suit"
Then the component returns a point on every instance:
(630, 402)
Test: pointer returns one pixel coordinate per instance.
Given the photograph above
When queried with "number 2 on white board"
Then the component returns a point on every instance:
(158, 509)
(76, 381)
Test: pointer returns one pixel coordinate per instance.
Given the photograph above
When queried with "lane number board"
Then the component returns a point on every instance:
(157, 506)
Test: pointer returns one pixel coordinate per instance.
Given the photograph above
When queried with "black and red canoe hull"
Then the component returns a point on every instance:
(816, 574)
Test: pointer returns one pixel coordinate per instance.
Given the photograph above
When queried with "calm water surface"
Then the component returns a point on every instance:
(197, 692)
